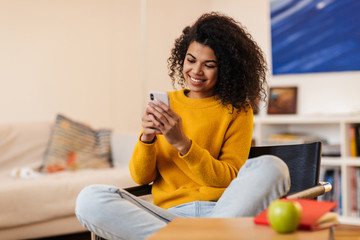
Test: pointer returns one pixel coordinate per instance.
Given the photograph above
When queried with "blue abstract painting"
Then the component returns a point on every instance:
(311, 36)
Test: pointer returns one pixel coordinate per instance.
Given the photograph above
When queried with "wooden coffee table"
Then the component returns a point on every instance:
(229, 229)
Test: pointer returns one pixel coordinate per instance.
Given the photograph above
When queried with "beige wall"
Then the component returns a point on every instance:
(95, 60)
(78, 57)
(165, 22)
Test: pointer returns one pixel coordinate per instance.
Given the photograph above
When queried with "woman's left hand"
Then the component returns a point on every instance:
(170, 125)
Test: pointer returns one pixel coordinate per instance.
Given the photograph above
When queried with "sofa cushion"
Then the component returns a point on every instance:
(23, 144)
(51, 196)
(74, 145)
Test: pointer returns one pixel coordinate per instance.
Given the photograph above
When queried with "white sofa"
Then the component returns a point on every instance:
(43, 204)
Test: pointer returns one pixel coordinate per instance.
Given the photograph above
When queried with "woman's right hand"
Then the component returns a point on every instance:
(149, 130)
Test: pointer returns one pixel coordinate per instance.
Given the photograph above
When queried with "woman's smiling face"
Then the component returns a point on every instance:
(200, 70)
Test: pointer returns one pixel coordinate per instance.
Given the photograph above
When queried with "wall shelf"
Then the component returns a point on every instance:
(333, 129)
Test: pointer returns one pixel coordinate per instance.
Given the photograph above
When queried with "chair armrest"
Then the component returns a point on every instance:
(139, 190)
(312, 192)
(309, 193)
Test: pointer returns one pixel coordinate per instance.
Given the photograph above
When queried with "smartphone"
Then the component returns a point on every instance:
(161, 96)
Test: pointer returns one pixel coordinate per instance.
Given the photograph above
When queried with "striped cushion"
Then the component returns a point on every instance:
(74, 145)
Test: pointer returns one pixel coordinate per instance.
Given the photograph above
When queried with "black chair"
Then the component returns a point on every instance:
(303, 161)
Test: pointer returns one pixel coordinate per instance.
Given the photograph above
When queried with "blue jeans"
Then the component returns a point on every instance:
(113, 213)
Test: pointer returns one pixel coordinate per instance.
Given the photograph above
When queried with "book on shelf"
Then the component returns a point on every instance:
(333, 176)
(358, 190)
(291, 138)
(354, 136)
(355, 191)
(329, 150)
(315, 215)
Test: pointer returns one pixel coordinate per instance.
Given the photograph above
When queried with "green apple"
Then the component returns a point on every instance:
(284, 216)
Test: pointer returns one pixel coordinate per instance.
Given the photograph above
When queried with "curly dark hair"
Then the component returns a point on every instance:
(241, 65)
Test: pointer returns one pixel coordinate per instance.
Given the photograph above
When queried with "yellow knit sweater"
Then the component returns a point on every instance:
(220, 146)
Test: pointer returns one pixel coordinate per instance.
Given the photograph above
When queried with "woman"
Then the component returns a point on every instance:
(195, 152)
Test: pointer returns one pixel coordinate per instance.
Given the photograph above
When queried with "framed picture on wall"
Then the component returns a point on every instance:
(282, 100)
(310, 36)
